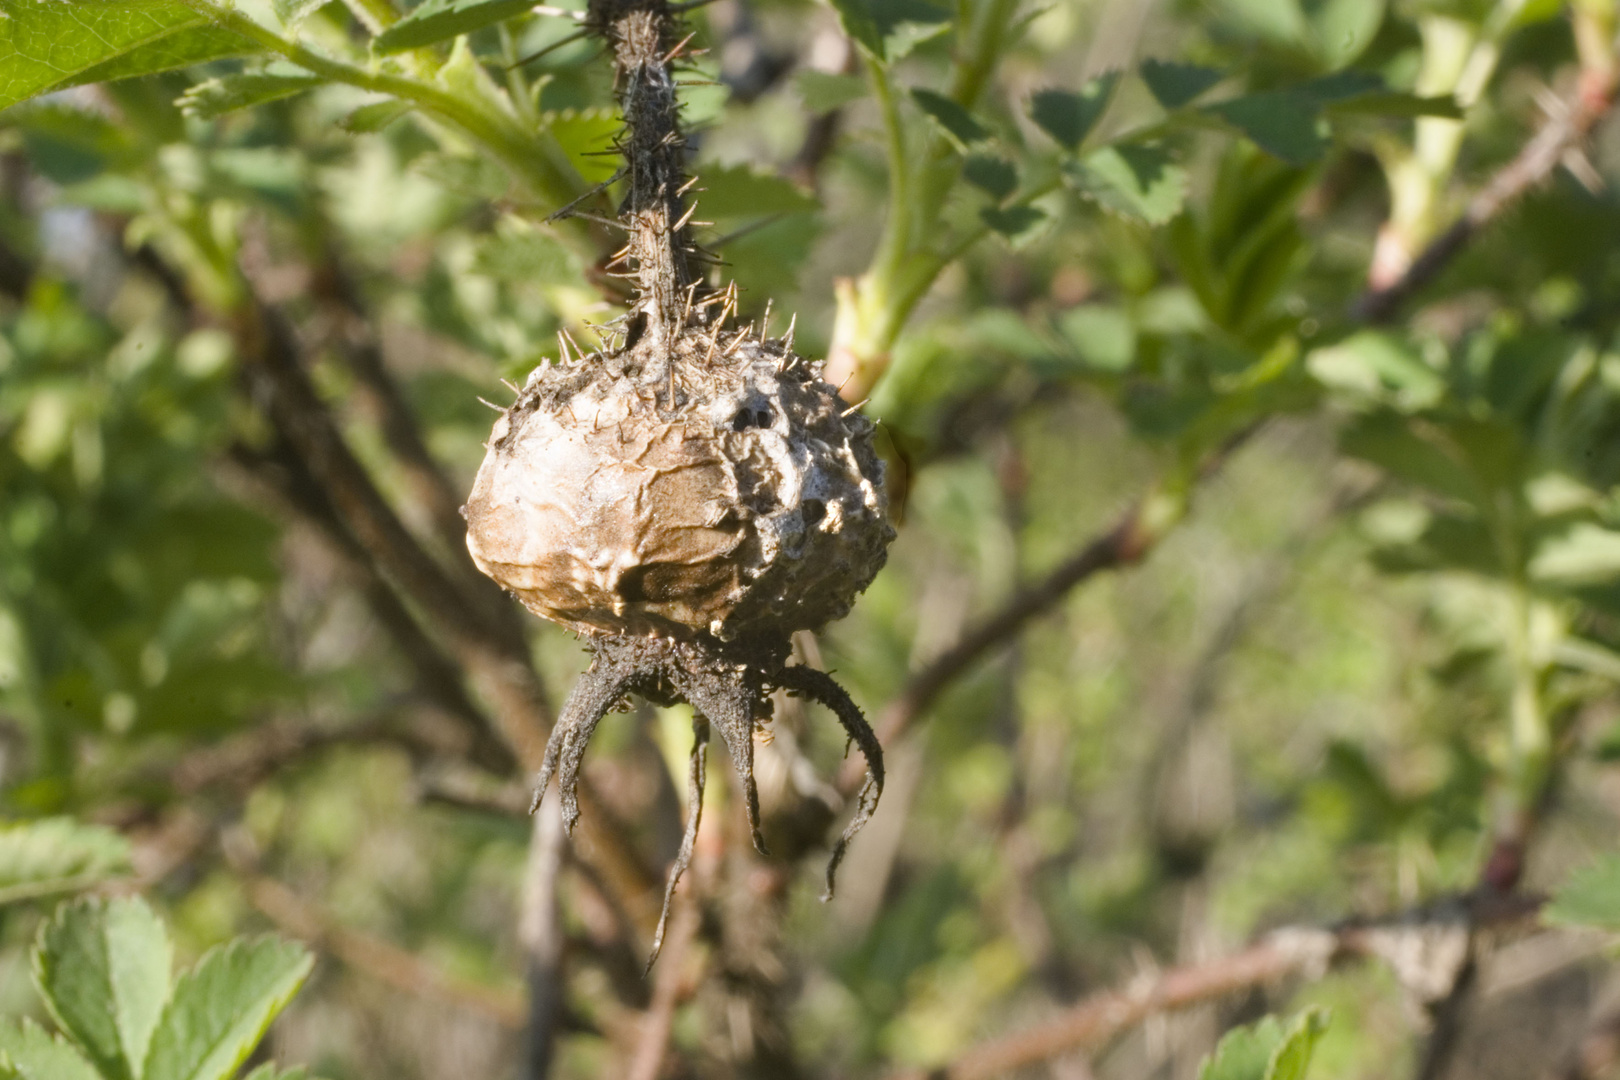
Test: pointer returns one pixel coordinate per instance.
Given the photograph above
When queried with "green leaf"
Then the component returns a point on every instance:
(34, 1054)
(374, 117)
(1591, 897)
(1292, 1059)
(1174, 85)
(103, 969)
(1069, 117)
(186, 48)
(1281, 122)
(1585, 555)
(1267, 1050)
(737, 191)
(995, 175)
(57, 855)
(1341, 30)
(1385, 440)
(958, 123)
(221, 1008)
(1379, 366)
(823, 92)
(1143, 182)
(439, 20)
(526, 255)
(860, 25)
(216, 97)
(47, 44)
(293, 12)
(1012, 221)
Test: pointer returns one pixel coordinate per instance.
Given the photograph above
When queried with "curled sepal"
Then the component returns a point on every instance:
(819, 686)
(729, 705)
(593, 697)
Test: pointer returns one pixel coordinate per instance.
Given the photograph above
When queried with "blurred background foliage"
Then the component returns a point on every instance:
(1084, 259)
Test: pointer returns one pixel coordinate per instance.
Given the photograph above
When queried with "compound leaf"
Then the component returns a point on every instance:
(994, 175)
(220, 1009)
(1281, 122)
(440, 20)
(1012, 221)
(57, 855)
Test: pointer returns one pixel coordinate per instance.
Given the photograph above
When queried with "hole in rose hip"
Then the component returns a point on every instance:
(814, 510)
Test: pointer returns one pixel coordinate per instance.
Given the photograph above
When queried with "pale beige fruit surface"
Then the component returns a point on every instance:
(727, 492)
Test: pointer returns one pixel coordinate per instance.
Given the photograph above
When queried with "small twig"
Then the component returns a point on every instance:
(1563, 131)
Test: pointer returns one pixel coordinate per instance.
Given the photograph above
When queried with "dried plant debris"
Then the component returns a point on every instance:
(688, 498)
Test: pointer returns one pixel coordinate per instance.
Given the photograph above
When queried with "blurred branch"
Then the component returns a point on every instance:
(668, 989)
(1597, 1055)
(1126, 542)
(1401, 940)
(1560, 136)
(541, 931)
(382, 960)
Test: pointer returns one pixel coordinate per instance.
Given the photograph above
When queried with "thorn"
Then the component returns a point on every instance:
(684, 188)
(846, 412)
(787, 339)
(681, 224)
(564, 332)
(679, 45)
(510, 385)
(765, 322)
(491, 404)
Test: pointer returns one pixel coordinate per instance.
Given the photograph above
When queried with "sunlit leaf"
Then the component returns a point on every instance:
(434, 21)
(1068, 116)
(220, 1009)
(1586, 554)
(103, 969)
(34, 1054)
(376, 116)
(48, 45)
(1267, 1050)
(1139, 181)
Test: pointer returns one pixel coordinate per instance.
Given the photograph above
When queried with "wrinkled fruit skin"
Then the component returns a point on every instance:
(752, 506)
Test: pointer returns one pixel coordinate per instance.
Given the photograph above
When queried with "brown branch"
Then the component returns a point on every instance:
(1097, 1019)
(668, 990)
(541, 932)
(1561, 134)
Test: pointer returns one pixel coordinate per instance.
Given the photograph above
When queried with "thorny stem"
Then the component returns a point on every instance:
(640, 32)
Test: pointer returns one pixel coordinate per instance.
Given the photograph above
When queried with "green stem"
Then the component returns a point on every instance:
(896, 241)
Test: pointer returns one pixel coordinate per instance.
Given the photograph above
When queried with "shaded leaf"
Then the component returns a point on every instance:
(103, 969)
(1399, 105)
(1174, 85)
(823, 92)
(1139, 181)
(439, 20)
(860, 25)
(991, 174)
(35, 1054)
(957, 121)
(56, 855)
(216, 97)
(1386, 441)
(1282, 123)
(1069, 117)
(220, 1009)
(1591, 897)
(376, 116)
(1012, 220)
